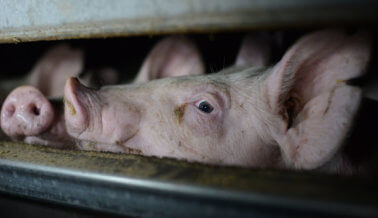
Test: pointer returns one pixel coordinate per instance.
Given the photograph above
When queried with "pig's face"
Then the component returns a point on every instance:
(194, 118)
(190, 117)
(295, 114)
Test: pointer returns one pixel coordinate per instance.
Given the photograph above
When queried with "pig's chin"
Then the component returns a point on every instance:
(115, 148)
(55, 136)
(49, 141)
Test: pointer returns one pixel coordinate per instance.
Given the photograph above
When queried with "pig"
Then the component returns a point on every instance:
(28, 115)
(49, 73)
(46, 80)
(293, 115)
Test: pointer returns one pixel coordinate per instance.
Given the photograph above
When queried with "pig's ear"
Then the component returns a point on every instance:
(255, 50)
(100, 77)
(54, 68)
(173, 56)
(306, 90)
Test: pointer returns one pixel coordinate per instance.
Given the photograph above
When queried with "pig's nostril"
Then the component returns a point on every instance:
(34, 109)
(9, 110)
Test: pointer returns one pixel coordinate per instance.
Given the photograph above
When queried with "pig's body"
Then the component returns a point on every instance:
(294, 115)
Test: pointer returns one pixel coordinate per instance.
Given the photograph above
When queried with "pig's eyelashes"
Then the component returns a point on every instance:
(205, 107)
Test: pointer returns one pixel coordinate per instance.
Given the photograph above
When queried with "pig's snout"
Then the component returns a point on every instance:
(96, 115)
(25, 112)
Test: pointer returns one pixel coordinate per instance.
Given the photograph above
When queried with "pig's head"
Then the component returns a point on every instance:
(53, 69)
(172, 56)
(255, 50)
(62, 62)
(293, 115)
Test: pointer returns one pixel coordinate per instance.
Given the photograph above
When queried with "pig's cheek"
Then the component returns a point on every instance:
(156, 137)
(120, 123)
(203, 124)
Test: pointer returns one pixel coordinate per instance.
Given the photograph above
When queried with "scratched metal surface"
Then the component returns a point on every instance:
(25, 20)
(136, 185)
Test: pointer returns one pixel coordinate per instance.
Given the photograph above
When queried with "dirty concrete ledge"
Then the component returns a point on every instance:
(136, 185)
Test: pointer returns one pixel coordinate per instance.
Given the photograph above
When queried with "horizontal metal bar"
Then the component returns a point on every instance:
(25, 20)
(136, 185)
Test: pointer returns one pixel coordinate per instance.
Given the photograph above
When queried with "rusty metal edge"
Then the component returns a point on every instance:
(199, 23)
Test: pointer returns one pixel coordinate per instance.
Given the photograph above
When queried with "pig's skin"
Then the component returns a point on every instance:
(294, 115)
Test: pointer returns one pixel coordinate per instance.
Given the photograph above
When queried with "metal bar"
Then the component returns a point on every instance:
(26, 20)
(136, 185)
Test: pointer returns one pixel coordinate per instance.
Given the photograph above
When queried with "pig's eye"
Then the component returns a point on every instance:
(205, 107)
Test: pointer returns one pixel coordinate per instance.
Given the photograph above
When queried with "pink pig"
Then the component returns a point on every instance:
(294, 115)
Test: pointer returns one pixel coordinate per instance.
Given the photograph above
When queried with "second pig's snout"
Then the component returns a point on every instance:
(26, 112)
